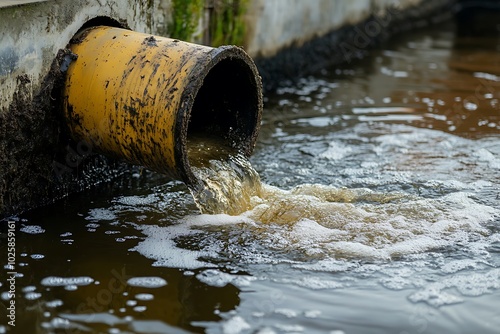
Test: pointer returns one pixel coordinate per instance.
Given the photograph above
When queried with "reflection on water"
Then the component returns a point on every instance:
(378, 213)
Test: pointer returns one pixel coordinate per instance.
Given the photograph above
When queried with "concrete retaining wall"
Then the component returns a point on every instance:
(39, 163)
(278, 24)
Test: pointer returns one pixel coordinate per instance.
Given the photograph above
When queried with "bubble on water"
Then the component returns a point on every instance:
(100, 214)
(266, 330)
(161, 246)
(486, 156)
(140, 308)
(147, 282)
(29, 288)
(32, 295)
(397, 283)
(235, 325)
(289, 313)
(52, 281)
(216, 278)
(144, 296)
(138, 201)
(37, 256)
(442, 292)
(5, 295)
(336, 151)
(312, 313)
(458, 265)
(32, 229)
(54, 303)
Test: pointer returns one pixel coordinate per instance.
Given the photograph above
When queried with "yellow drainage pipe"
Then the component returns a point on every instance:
(139, 97)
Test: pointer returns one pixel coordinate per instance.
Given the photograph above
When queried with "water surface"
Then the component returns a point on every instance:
(379, 213)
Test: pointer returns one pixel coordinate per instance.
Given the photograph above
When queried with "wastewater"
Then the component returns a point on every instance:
(374, 208)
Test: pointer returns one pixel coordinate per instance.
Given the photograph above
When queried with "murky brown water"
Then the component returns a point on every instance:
(379, 213)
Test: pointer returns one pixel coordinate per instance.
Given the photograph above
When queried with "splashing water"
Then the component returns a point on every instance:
(229, 180)
(314, 221)
(378, 211)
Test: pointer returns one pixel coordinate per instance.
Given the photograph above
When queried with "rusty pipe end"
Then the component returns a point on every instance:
(142, 98)
(223, 99)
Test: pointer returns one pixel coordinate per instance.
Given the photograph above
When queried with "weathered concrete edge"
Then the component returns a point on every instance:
(38, 162)
(350, 42)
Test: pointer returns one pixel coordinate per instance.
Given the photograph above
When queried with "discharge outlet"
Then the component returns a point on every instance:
(140, 98)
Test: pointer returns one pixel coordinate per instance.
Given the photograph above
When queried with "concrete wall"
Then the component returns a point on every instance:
(38, 161)
(32, 34)
(278, 24)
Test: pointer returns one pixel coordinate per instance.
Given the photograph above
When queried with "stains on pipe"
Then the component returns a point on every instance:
(140, 97)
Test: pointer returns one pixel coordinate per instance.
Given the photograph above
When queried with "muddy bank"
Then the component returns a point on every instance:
(39, 163)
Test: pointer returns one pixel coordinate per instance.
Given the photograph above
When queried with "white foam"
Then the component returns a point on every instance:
(486, 156)
(336, 151)
(312, 313)
(235, 325)
(144, 296)
(147, 282)
(37, 256)
(100, 214)
(32, 229)
(326, 223)
(54, 303)
(289, 313)
(214, 277)
(472, 284)
(66, 281)
(32, 295)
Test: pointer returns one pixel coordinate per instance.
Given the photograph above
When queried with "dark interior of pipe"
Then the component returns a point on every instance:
(227, 105)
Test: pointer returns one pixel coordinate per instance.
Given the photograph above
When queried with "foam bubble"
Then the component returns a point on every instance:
(37, 256)
(66, 281)
(32, 229)
(289, 313)
(336, 151)
(100, 214)
(147, 282)
(54, 303)
(442, 292)
(235, 325)
(216, 278)
(144, 296)
(488, 157)
(32, 295)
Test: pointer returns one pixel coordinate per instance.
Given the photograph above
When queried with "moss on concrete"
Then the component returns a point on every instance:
(185, 18)
(227, 24)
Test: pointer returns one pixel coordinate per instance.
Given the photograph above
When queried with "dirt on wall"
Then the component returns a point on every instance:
(38, 161)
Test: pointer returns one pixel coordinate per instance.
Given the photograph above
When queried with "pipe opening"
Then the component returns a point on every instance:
(225, 116)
